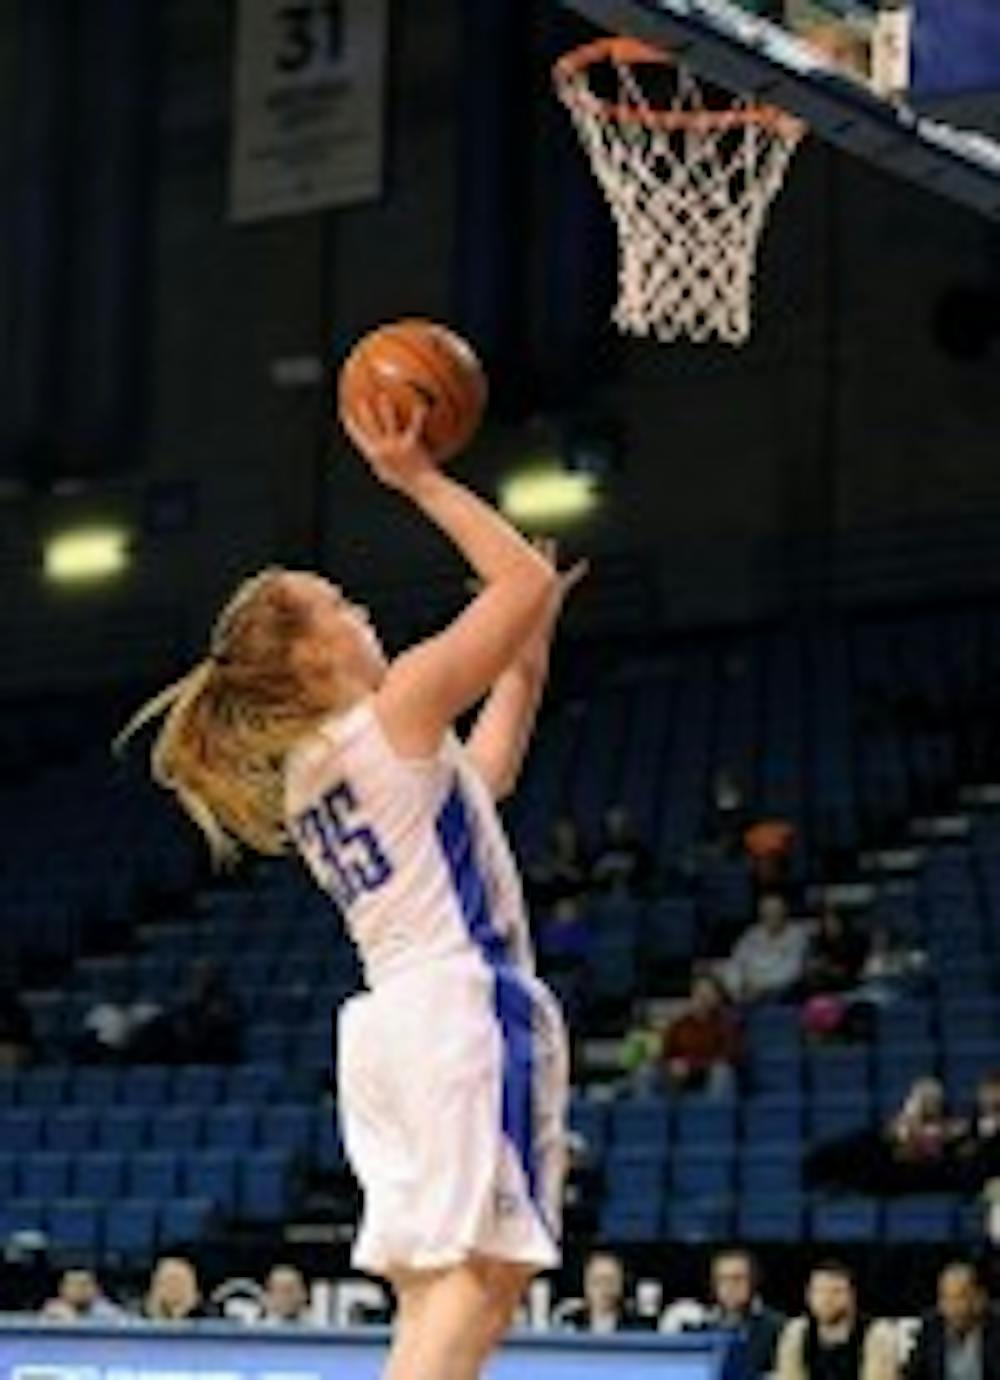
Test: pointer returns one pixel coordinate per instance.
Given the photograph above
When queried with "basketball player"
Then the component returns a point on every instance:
(452, 1064)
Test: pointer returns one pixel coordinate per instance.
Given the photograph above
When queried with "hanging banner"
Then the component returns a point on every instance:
(308, 93)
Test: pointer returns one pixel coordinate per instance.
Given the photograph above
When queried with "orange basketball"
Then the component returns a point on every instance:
(416, 361)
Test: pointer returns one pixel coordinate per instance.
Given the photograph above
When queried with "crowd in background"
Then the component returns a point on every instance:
(832, 1338)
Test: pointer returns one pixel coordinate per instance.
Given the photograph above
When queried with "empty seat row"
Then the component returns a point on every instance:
(299, 1128)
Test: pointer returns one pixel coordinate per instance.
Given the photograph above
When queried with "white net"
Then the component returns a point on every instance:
(689, 189)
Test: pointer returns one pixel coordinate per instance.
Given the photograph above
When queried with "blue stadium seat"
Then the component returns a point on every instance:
(152, 1174)
(70, 1129)
(44, 1174)
(94, 1088)
(840, 1070)
(21, 1214)
(122, 1128)
(211, 1174)
(75, 1225)
(266, 1043)
(773, 1216)
(285, 1128)
(199, 1085)
(254, 1084)
(772, 1118)
(146, 1086)
(8, 1176)
(43, 1088)
(702, 1173)
(99, 1175)
(176, 1128)
(632, 1223)
(705, 1123)
(130, 1229)
(264, 1189)
(231, 1128)
(921, 1220)
(20, 1130)
(184, 1221)
(640, 1121)
(846, 1220)
(763, 1172)
(328, 1148)
(697, 1220)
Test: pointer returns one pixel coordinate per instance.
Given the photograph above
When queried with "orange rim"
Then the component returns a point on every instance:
(578, 61)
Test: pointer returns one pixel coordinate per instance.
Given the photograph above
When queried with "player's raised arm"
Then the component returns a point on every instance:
(428, 687)
(498, 743)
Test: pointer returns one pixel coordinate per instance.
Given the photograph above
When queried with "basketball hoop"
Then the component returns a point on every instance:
(689, 186)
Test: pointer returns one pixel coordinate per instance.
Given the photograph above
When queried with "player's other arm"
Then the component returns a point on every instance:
(429, 686)
(498, 743)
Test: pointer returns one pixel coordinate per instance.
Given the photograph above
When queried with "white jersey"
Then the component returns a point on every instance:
(452, 1069)
(411, 852)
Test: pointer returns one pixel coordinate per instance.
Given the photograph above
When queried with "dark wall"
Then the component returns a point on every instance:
(746, 475)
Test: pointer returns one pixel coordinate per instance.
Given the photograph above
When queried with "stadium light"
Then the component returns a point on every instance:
(540, 497)
(86, 554)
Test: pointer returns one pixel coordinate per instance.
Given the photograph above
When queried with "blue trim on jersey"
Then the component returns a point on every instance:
(512, 1000)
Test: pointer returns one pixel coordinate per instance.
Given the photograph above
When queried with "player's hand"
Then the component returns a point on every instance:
(568, 579)
(394, 448)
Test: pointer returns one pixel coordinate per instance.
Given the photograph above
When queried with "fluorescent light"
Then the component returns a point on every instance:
(85, 554)
(540, 496)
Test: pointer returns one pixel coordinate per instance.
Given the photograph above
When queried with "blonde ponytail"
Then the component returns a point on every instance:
(230, 722)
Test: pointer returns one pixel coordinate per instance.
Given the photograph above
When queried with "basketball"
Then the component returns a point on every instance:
(419, 362)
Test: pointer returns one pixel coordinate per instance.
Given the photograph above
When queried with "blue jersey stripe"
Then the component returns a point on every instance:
(512, 1001)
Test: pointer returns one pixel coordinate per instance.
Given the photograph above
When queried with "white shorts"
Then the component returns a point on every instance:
(453, 1082)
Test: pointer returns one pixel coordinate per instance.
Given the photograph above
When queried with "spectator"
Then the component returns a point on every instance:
(112, 1031)
(891, 970)
(17, 1041)
(916, 1152)
(725, 818)
(203, 1026)
(604, 1307)
(769, 845)
(286, 1298)
(562, 873)
(960, 1340)
(702, 1047)
(174, 1293)
(979, 1153)
(737, 1307)
(769, 960)
(836, 954)
(79, 1298)
(832, 1341)
(622, 863)
(564, 937)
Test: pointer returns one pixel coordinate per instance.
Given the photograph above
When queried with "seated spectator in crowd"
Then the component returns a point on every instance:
(836, 954)
(702, 1046)
(622, 862)
(79, 1298)
(581, 1187)
(769, 844)
(769, 960)
(831, 1340)
(203, 1026)
(725, 817)
(286, 1298)
(736, 1306)
(891, 970)
(174, 1293)
(563, 937)
(17, 1041)
(562, 872)
(112, 1031)
(914, 1153)
(604, 1307)
(979, 1153)
(960, 1340)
